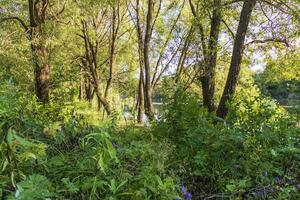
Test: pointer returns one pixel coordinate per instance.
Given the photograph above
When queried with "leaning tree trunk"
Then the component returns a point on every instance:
(91, 62)
(101, 100)
(114, 32)
(236, 57)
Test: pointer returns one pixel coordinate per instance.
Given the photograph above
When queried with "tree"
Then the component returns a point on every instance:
(115, 25)
(37, 35)
(209, 52)
(152, 42)
(141, 86)
(148, 35)
(209, 47)
(90, 60)
(236, 57)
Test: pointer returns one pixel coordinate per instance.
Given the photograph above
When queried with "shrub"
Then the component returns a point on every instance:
(232, 158)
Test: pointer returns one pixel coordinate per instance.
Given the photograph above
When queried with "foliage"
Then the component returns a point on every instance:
(284, 68)
(73, 158)
(255, 154)
(91, 55)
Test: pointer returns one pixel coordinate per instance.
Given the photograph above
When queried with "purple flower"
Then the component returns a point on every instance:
(276, 180)
(182, 189)
(188, 195)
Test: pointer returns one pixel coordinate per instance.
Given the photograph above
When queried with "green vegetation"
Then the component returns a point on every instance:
(149, 99)
(281, 81)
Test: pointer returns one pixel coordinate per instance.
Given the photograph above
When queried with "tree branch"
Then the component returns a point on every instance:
(231, 2)
(201, 28)
(277, 40)
(17, 19)
(228, 28)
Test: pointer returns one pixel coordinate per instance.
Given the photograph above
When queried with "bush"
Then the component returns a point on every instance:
(60, 151)
(56, 152)
(254, 154)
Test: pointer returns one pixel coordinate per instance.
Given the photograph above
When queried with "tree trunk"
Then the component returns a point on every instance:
(41, 58)
(88, 89)
(41, 72)
(148, 35)
(141, 99)
(208, 78)
(91, 62)
(101, 100)
(236, 57)
(114, 31)
(80, 93)
(182, 58)
(42, 82)
(141, 87)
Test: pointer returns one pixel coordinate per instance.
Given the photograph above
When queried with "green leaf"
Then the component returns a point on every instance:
(5, 163)
(112, 185)
(121, 184)
(10, 137)
(24, 142)
(230, 187)
(111, 150)
(70, 186)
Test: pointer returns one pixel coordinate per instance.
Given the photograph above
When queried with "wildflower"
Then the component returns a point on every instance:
(182, 189)
(276, 179)
(188, 195)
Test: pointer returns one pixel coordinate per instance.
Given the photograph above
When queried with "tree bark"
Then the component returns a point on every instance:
(141, 99)
(209, 52)
(141, 87)
(208, 78)
(148, 35)
(183, 55)
(81, 89)
(91, 58)
(236, 58)
(42, 73)
(114, 32)
(88, 89)
(41, 55)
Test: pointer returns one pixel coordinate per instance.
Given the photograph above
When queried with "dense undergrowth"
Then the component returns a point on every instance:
(58, 153)
(62, 152)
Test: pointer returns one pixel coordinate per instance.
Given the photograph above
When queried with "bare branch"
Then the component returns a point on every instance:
(231, 2)
(161, 53)
(229, 29)
(17, 19)
(278, 6)
(156, 16)
(276, 40)
(201, 29)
